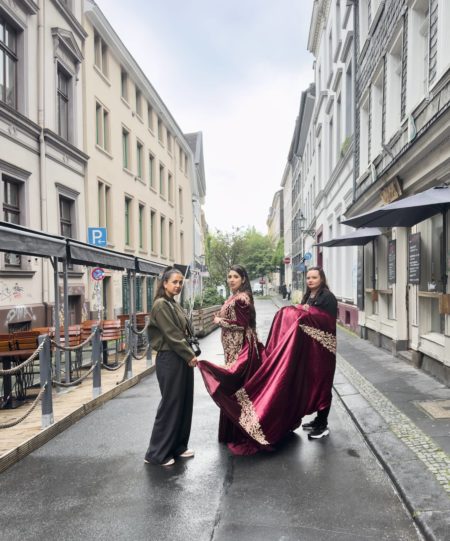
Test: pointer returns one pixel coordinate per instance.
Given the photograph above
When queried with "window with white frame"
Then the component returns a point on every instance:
(138, 97)
(102, 126)
(139, 160)
(151, 171)
(153, 231)
(349, 101)
(170, 188)
(377, 115)
(11, 212)
(8, 63)
(162, 236)
(338, 144)
(127, 221)
(185, 164)
(330, 145)
(182, 246)
(150, 117)
(66, 216)
(100, 54)
(180, 202)
(160, 131)
(124, 84)
(142, 226)
(104, 207)
(169, 142)
(319, 163)
(162, 181)
(418, 53)
(393, 87)
(64, 99)
(364, 135)
(171, 240)
(126, 158)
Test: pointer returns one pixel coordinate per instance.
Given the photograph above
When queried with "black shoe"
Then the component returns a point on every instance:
(318, 432)
(311, 425)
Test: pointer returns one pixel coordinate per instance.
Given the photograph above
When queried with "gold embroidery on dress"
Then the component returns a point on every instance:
(248, 418)
(232, 335)
(327, 339)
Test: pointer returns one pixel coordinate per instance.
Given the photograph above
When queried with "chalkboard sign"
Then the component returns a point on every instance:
(414, 258)
(392, 261)
(360, 279)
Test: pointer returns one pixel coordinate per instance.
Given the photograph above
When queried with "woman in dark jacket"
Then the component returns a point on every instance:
(175, 360)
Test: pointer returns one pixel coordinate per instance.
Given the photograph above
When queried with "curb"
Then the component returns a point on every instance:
(33, 443)
(425, 499)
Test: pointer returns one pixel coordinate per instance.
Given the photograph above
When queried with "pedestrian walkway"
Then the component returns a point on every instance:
(404, 415)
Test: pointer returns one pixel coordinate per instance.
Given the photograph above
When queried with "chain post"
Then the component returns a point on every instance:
(96, 353)
(149, 344)
(45, 374)
(130, 344)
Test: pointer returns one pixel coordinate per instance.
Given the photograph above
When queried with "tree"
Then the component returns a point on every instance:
(258, 254)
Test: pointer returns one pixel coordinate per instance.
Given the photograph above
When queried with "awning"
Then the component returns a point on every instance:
(21, 240)
(360, 237)
(406, 212)
(94, 256)
(144, 266)
(184, 269)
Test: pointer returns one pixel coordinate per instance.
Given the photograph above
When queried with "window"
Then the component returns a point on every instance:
(140, 159)
(102, 126)
(100, 54)
(319, 164)
(349, 102)
(8, 64)
(181, 159)
(180, 201)
(141, 227)
(66, 216)
(363, 22)
(169, 142)
(104, 206)
(153, 231)
(162, 188)
(11, 213)
(124, 84)
(150, 117)
(338, 125)
(364, 135)
(160, 131)
(393, 87)
(127, 221)
(185, 164)
(151, 171)
(162, 236)
(63, 99)
(126, 148)
(138, 103)
(170, 188)
(182, 246)
(171, 243)
(376, 116)
(418, 52)
(330, 145)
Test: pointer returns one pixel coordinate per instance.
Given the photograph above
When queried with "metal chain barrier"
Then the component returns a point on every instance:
(27, 413)
(140, 357)
(147, 323)
(114, 368)
(77, 381)
(19, 367)
(74, 348)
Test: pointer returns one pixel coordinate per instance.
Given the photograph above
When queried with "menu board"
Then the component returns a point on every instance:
(392, 262)
(414, 258)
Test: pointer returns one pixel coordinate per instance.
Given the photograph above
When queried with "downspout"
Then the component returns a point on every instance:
(42, 146)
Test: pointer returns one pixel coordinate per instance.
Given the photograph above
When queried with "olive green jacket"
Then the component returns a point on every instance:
(168, 328)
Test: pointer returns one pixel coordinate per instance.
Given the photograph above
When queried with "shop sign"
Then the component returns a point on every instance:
(414, 258)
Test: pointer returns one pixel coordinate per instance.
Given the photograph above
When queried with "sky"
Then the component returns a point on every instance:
(235, 71)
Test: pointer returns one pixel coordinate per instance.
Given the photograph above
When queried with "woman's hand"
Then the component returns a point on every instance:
(193, 362)
(217, 320)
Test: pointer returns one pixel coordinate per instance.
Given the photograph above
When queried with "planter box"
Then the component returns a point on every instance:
(202, 320)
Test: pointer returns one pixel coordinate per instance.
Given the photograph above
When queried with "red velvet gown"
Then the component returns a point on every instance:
(295, 378)
(242, 359)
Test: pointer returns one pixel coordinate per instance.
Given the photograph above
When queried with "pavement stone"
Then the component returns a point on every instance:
(382, 394)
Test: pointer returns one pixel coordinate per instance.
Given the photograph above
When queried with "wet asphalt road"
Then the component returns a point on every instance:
(90, 483)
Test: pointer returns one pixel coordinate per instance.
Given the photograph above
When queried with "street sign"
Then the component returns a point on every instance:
(262, 281)
(97, 236)
(98, 274)
(286, 260)
(307, 256)
(301, 267)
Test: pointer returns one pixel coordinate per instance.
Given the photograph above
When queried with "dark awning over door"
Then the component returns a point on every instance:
(360, 237)
(94, 256)
(144, 266)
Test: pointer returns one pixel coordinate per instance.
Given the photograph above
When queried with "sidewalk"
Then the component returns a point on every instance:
(404, 415)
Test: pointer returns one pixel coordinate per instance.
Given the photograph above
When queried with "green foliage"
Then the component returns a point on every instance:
(210, 298)
(240, 247)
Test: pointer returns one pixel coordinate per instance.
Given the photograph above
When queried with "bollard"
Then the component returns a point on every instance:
(149, 350)
(45, 373)
(130, 344)
(96, 353)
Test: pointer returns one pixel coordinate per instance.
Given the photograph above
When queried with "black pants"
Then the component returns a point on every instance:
(172, 425)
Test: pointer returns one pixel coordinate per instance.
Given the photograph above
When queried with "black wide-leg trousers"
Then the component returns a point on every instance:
(172, 425)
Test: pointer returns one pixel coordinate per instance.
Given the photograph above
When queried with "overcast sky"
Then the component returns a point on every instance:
(235, 71)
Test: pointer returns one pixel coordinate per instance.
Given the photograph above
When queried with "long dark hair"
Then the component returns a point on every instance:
(168, 272)
(322, 287)
(246, 288)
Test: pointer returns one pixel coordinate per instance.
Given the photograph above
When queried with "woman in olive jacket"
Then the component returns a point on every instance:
(174, 369)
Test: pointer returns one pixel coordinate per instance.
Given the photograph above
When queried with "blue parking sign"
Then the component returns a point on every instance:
(97, 236)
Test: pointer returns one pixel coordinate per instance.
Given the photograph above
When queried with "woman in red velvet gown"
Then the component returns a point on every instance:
(294, 379)
(237, 320)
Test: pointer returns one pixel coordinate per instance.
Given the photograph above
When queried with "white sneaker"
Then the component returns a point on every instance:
(189, 453)
(169, 462)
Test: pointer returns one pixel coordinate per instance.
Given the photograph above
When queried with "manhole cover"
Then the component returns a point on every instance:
(438, 409)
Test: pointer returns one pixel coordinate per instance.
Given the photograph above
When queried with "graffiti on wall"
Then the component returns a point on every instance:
(19, 313)
(11, 293)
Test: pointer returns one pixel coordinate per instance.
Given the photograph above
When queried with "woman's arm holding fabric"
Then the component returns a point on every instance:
(242, 314)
